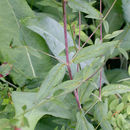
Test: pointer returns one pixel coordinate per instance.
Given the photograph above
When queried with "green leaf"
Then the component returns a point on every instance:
(115, 89)
(66, 87)
(93, 67)
(124, 53)
(114, 34)
(113, 104)
(98, 41)
(128, 110)
(63, 107)
(5, 69)
(52, 3)
(49, 123)
(120, 107)
(71, 49)
(115, 16)
(100, 113)
(84, 38)
(82, 123)
(124, 38)
(83, 6)
(53, 78)
(51, 31)
(25, 66)
(106, 26)
(115, 75)
(126, 9)
(129, 70)
(25, 122)
(94, 51)
(24, 107)
(85, 90)
(51, 7)
(5, 124)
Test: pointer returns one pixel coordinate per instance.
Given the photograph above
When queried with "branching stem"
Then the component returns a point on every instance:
(95, 29)
(67, 51)
(101, 41)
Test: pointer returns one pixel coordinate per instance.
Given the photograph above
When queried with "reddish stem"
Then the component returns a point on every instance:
(79, 28)
(17, 128)
(96, 28)
(67, 52)
(79, 37)
(79, 41)
(1, 76)
(101, 41)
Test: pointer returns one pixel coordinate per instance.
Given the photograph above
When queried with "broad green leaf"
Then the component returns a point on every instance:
(126, 9)
(93, 51)
(54, 77)
(124, 53)
(71, 49)
(52, 3)
(115, 89)
(100, 113)
(85, 90)
(92, 68)
(114, 34)
(83, 6)
(115, 15)
(51, 31)
(14, 48)
(62, 107)
(82, 123)
(51, 7)
(66, 87)
(49, 123)
(115, 75)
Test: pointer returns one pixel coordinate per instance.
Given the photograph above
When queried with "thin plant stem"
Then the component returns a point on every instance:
(79, 37)
(101, 41)
(79, 41)
(100, 87)
(47, 54)
(95, 29)
(52, 98)
(67, 52)
(5, 81)
(43, 52)
(79, 28)
(91, 107)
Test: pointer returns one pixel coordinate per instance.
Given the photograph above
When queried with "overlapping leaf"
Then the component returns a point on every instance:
(126, 9)
(54, 77)
(13, 45)
(93, 51)
(100, 113)
(82, 123)
(115, 89)
(83, 6)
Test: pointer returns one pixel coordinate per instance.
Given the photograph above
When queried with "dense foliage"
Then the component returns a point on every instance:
(42, 86)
